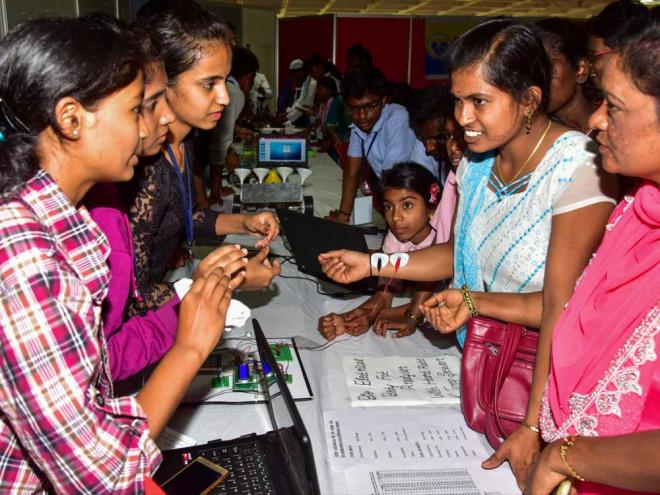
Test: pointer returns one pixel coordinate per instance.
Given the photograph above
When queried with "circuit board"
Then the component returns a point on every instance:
(233, 373)
(243, 372)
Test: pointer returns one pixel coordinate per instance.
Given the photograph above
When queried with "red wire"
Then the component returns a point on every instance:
(396, 269)
(382, 295)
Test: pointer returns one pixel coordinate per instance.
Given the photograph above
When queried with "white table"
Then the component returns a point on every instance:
(290, 308)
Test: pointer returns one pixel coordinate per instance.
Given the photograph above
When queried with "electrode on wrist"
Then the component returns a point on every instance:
(399, 260)
(379, 260)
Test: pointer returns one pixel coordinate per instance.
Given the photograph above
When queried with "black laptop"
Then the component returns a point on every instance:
(310, 236)
(279, 462)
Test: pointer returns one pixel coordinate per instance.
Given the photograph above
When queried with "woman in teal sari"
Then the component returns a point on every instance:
(531, 210)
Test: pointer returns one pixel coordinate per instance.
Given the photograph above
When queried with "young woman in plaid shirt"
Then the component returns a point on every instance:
(69, 119)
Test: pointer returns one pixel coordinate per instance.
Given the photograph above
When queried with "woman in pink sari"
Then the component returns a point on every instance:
(601, 409)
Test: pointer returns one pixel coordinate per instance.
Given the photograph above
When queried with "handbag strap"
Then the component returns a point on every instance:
(507, 354)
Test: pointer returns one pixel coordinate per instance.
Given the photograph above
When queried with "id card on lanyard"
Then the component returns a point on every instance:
(186, 200)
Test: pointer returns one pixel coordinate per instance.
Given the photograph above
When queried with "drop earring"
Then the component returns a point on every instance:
(528, 123)
(75, 132)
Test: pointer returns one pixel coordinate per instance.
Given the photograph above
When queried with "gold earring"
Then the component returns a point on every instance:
(528, 123)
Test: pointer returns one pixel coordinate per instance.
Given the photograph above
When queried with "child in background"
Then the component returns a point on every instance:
(405, 319)
(333, 121)
(409, 195)
(380, 137)
(454, 143)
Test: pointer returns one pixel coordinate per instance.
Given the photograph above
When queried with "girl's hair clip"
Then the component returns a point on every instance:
(434, 190)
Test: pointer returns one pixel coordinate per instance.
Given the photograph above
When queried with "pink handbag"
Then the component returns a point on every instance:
(496, 376)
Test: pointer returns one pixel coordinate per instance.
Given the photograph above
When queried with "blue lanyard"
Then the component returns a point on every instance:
(371, 145)
(187, 205)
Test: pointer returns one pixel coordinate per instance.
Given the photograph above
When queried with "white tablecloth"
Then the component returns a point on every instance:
(291, 308)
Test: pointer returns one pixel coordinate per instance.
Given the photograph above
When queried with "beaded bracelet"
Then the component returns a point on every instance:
(469, 302)
(569, 441)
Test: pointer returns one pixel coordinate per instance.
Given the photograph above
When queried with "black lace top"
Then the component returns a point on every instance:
(157, 218)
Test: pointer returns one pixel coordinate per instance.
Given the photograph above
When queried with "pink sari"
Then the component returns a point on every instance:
(605, 375)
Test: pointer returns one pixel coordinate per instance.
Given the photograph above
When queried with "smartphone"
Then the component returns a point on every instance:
(198, 477)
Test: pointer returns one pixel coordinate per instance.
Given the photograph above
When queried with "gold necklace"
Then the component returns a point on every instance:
(181, 166)
(536, 148)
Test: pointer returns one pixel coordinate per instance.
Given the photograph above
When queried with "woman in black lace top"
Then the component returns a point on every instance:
(164, 211)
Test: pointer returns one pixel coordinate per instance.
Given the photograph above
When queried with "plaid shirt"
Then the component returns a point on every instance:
(61, 429)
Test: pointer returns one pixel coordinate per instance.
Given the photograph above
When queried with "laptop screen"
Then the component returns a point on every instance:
(281, 415)
(310, 236)
(287, 421)
(290, 151)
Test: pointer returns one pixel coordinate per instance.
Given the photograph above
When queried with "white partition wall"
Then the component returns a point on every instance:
(259, 34)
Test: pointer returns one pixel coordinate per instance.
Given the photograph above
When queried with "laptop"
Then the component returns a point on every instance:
(279, 462)
(282, 151)
(310, 236)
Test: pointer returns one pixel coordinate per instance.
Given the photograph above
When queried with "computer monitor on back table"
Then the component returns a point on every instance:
(282, 151)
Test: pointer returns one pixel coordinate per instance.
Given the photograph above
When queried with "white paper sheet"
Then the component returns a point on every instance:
(403, 381)
(171, 439)
(374, 436)
(423, 452)
(466, 480)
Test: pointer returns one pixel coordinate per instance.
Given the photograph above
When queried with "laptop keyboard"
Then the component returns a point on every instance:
(248, 474)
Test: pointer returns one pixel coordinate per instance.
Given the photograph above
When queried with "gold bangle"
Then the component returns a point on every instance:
(469, 302)
(529, 426)
(569, 441)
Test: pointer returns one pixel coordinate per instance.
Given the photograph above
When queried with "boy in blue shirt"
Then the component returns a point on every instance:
(380, 136)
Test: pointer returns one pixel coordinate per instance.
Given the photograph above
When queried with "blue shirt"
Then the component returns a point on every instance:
(391, 141)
